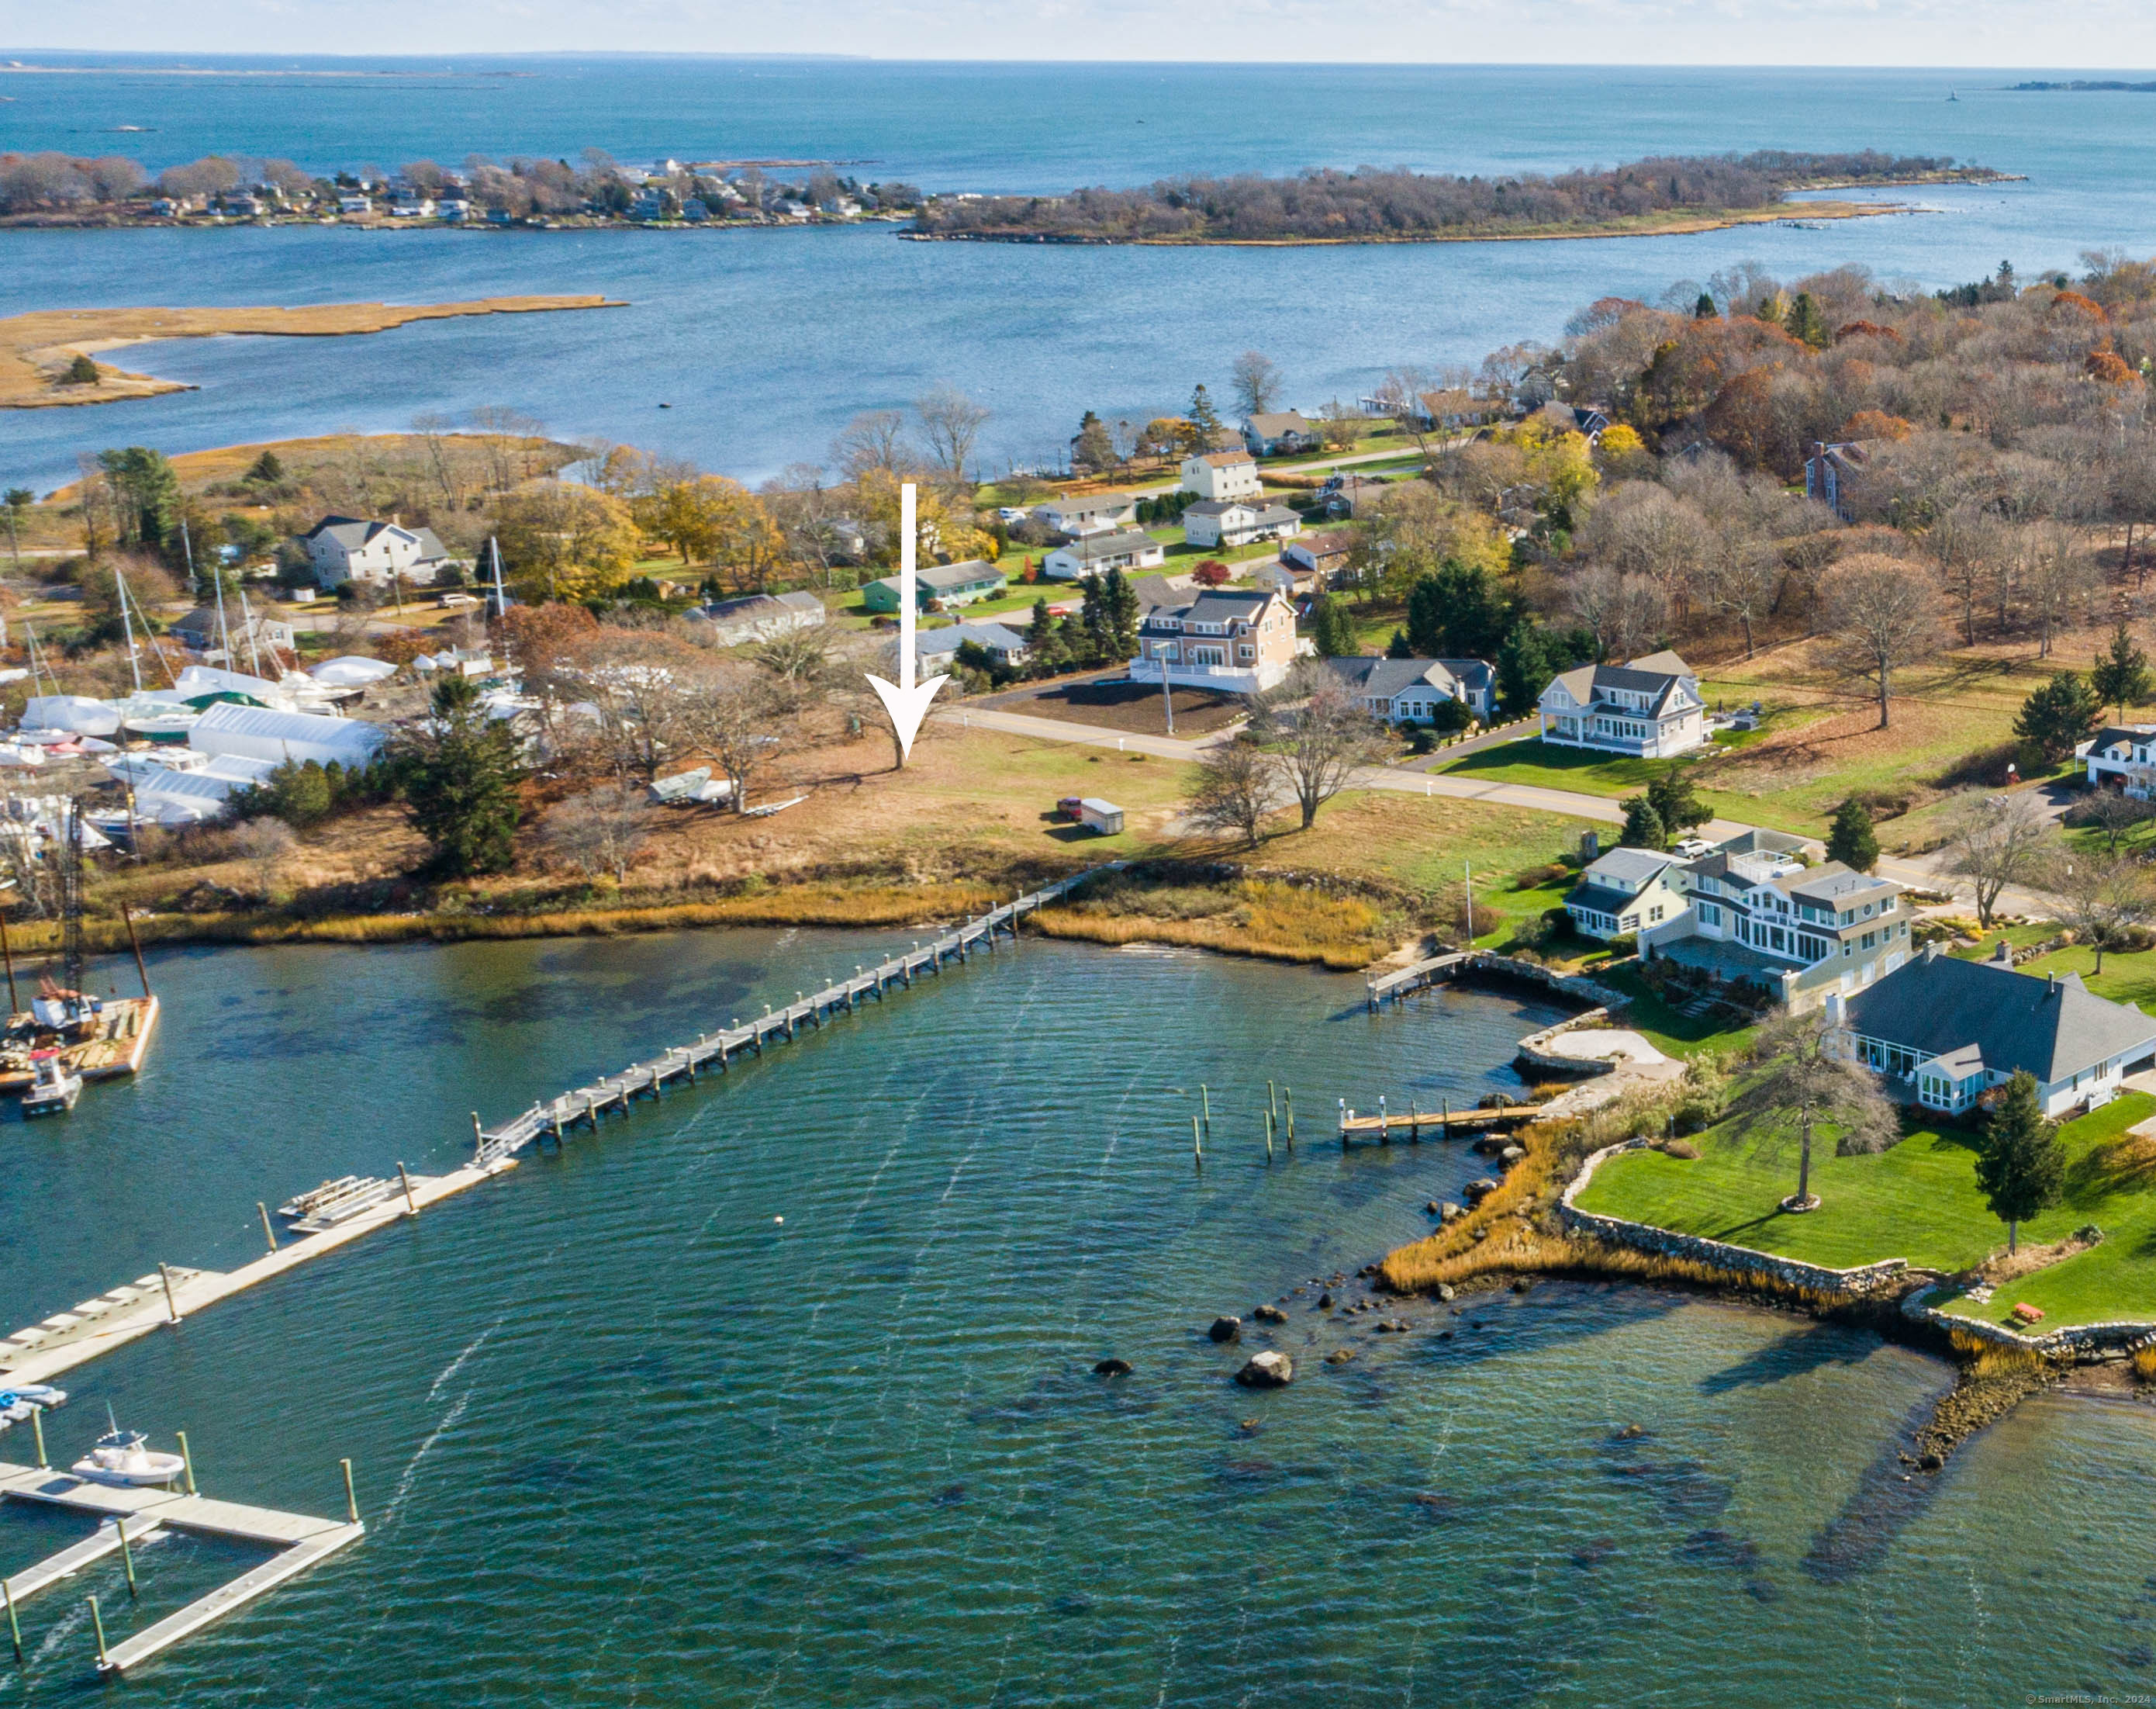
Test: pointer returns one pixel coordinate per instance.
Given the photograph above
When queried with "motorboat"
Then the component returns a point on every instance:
(119, 1457)
(53, 1087)
(37, 1394)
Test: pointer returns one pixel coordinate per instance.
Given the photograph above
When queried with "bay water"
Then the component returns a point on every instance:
(622, 1436)
(762, 344)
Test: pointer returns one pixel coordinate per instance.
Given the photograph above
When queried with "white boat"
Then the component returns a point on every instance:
(37, 1394)
(21, 753)
(53, 1088)
(119, 1457)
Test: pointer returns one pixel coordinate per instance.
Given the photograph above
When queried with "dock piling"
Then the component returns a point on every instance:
(37, 1430)
(1289, 1092)
(14, 1625)
(479, 1133)
(186, 1460)
(1272, 1101)
(351, 1499)
(269, 1231)
(97, 1623)
(411, 1204)
(1205, 1098)
(1197, 1144)
(127, 1555)
(1269, 1136)
(171, 1305)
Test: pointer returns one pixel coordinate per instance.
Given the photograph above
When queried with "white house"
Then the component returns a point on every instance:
(1413, 691)
(1237, 522)
(1650, 708)
(1230, 640)
(203, 635)
(1942, 1031)
(1097, 554)
(759, 617)
(345, 549)
(1627, 890)
(354, 204)
(1092, 513)
(938, 648)
(1221, 475)
(2121, 757)
(1756, 912)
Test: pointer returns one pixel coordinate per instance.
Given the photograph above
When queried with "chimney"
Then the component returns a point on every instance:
(1931, 949)
(1837, 1008)
(2004, 954)
(2051, 984)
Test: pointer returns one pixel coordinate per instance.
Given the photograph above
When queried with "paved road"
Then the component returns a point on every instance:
(1922, 872)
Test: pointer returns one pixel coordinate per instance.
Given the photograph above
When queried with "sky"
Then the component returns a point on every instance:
(2015, 34)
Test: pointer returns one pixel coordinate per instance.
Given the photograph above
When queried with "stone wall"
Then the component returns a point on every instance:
(1531, 1056)
(1574, 985)
(2084, 1343)
(1889, 1276)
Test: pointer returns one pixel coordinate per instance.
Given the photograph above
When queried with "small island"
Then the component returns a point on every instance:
(1651, 197)
(49, 358)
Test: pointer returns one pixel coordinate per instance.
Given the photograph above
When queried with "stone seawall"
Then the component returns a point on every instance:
(1867, 1281)
(1530, 1054)
(2084, 1343)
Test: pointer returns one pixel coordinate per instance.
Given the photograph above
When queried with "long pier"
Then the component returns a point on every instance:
(130, 1515)
(1386, 1126)
(1434, 970)
(554, 1117)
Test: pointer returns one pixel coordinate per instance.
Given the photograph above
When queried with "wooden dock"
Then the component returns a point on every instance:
(1386, 1126)
(1435, 969)
(60, 1343)
(715, 1051)
(134, 1515)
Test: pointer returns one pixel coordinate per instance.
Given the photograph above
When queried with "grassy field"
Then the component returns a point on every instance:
(1920, 1201)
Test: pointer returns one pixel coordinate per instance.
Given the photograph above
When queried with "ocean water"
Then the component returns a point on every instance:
(765, 343)
(623, 1437)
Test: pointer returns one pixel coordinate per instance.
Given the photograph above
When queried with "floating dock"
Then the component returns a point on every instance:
(1436, 969)
(130, 1515)
(122, 1041)
(1385, 1126)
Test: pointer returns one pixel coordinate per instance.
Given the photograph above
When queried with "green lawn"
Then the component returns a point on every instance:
(1920, 1201)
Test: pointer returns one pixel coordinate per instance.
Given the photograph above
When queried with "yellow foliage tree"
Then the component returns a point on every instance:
(563, 542)
(940, 535)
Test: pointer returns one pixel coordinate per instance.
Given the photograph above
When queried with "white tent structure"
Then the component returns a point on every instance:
(257, 733)
(163, 796)
(351, 671)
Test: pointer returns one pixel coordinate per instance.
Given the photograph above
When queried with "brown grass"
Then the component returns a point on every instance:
(1266, 917)
(36, 348)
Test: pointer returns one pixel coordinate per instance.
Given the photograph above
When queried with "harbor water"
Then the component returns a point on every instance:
(781, 1391)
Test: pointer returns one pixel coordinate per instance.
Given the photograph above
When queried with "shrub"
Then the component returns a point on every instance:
(81, 372)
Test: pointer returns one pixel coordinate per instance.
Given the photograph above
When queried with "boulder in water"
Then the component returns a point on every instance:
(1225, 1329)
(1270, 1314)
(1267, 1369)
(1112, 1367)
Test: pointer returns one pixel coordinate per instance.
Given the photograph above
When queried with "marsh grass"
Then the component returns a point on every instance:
(1262, 917)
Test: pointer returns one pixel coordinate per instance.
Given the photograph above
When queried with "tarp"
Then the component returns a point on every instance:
(71, 712)
(257, 733)
(351, 671)
(198, 680)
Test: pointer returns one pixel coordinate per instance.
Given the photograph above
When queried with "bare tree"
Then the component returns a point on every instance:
(741, 717)
(1319, 735)
(1643, 529)
(265, 845)
(951, 422)
(1238, 784)
(2056, 580)
(2105, 900)
(599, 832)
(1743, 577)
(2113, 813)
(1400, 396)
(1883, 615)
(1622, 612)
(872, 440)
(1964, 542)
(1994, 841)
(1255, 380)
(1803, 1079)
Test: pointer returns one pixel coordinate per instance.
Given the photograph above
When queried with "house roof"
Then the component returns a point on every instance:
(1089, 504)
(1275, 514)
(1276, 422)
(1215, 507)
(1322, 545)
(967, 573)
(2129, 733)
(1834, 884)
(1223, 460)
(1222, 605)
(2053, 1028)
(1370, 675)
(1114, 545)
(996, 637)
(1630, 870)
(1658, 674)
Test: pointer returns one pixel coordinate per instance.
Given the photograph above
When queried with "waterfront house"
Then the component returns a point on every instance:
(1089, 513)
(1942, 1031)
(1756, 912)
(938, 648)
(946, 583)
(2121, 757)
(1221, 475)
(1097, 554)
(350, 548)
(1234, 641)
(454, 208)
(1236, 521)
(1279, 432)
(1650, 708)
(1627, 890)
(355, 205)
(1413, 691)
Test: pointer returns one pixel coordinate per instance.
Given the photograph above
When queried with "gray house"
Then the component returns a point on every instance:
(1627, 890)
(1411, 691)
(1942, 1031)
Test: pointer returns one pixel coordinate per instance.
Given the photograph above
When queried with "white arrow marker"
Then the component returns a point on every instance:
(906, 704)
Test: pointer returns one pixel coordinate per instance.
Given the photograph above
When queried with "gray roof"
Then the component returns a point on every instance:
(1276, 422)
(1370, 675)
(967, 573)
(1630, 870)
(2054, 1028)
(2129, 733)
(1657, 674)
(1090, 504)
(1089, 547)
(996, 637)
(1213, 507)
(352, 532)
(1834, 884)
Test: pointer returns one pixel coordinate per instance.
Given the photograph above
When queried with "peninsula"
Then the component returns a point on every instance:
(1651, 197)
(49, 358)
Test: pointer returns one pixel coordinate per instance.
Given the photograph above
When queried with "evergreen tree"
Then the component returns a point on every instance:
(2059, 715)
(1850, 840)
(2020, 1166)
(266, 469)
(147, 491)
(1643, 826)
(1096, 622)
(81, 372)
(1092, 448)
(2120, 677)
(1459, 611)
(1805, 324)
(459, 774)
(1675, 802)
(1204, 419)
(1524, 665)
(1121, 601)
(1331, 631)
(1399, 646)
(1044, 643)
(1704, 309)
